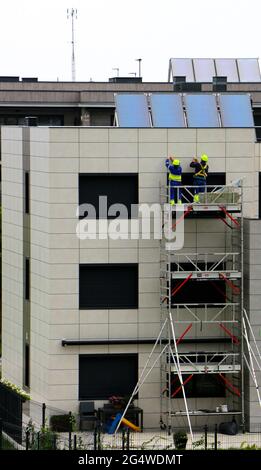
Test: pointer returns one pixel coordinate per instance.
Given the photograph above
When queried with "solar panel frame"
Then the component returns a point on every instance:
(227, 68)
(182, 68)
(202, 110)
(235, 110)
(132, 110)
(204, 70)
(248, 70)
(167, 110)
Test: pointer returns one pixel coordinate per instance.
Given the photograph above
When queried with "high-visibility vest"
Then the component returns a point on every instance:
(174, 177)
(202, 172)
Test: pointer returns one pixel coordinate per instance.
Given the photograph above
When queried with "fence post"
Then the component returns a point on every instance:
(70, 430)
(43, 414)
(27, 437)
(38, 440)
(206, 436)
(99, 438)
(95, 438)
(123, 439)
(128, 440)
(1, 434)
(215, 442)
(75, 442)
(54, 442)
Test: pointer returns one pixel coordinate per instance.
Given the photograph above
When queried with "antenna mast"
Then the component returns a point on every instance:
(72, 13)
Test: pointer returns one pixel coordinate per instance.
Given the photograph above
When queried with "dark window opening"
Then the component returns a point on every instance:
(104, 286)
(105, 375)
(257, 123)
(27, 279)
(212, 179)
(259, 196)
(27, 366)
(119, 189)
(199, 291)
(27, 193)
(199, 386)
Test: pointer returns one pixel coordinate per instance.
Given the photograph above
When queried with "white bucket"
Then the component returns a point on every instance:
(224, 408)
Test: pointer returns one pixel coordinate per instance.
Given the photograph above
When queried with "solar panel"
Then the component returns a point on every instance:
(201, 111)
(132, 110)
(248, 70)
(167, 110)
(227, 68)
(182, 68)
(204, 70)
(236, 110)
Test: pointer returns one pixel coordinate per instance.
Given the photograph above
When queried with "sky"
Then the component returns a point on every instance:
(35, 36)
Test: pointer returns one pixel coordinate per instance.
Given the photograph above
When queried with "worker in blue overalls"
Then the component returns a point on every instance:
(175, 172)
(200, 175)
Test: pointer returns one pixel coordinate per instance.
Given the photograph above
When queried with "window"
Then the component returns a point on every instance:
(104, 286)
(27, 279)
(27, 366)
(27, 193)
(259, 196)
(200, 292)
(199, 386)
(197, 291)
(257, 121)
(119, 189)
(213, 178)
(104, 375)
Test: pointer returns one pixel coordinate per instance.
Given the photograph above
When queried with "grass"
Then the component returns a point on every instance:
(6, 445)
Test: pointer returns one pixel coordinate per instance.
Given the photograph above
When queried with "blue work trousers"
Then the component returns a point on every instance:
(175, 193)
(201, 182)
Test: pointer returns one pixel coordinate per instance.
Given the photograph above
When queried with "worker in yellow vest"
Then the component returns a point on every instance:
(175, 172)
(200, 175)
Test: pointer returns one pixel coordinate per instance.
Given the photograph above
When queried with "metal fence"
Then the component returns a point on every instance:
(45, 428)
(206, 438)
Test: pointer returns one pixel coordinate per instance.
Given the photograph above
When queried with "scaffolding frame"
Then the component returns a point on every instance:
(228, 362)
(182, 266)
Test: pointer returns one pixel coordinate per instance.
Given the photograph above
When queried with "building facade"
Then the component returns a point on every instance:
(80, 316)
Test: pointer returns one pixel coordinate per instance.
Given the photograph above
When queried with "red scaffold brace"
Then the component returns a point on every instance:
(233, 337)
(234, 288)
(177, 288)
(230, 216)
(180, 387)
(178, 341)
(220, 291)
(229, 384)
(187, 211)
(184, 333)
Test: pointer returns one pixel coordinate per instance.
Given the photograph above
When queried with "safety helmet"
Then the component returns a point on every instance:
(204, 158)
(176, 162)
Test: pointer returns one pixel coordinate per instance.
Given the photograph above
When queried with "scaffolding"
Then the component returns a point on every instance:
(180, 320)
(222, 321)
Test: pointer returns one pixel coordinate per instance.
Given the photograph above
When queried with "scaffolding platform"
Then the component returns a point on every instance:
(205, 413)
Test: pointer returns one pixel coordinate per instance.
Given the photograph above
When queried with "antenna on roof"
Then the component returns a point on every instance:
(139, 60)
(72, 13)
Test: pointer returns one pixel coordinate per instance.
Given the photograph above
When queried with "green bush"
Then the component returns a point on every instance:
(180, 439)
(62, 423)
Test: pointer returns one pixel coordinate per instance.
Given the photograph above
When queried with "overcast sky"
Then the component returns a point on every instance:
(35, 35)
